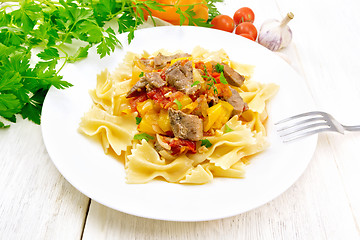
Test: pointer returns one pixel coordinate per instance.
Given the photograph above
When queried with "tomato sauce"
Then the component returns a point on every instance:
(182, 146)
(158, 95)
(135, 100)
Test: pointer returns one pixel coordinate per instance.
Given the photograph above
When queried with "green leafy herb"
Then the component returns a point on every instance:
(81, 53)
(219, 68)
(223, 79)
(138, 120)
(54, 33)
(189, 15)
(227, 129)
(213, 12)
(2, 125)
(49, 54)
(206, 143)
(141, 136)
(210, 80)
(178, 103)
(141, 74)
(195, 83)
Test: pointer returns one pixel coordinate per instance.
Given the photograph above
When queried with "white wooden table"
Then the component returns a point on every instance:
(36, 202)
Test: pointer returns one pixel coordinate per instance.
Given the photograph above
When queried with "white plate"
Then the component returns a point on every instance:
(102, 178)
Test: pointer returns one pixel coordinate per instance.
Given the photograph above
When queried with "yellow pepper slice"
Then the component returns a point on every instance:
(218, 115)
(183, 58)
(164, 120)
(145, 107)
(147, 122)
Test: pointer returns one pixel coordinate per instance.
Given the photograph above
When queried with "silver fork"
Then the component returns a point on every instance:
(309, 123)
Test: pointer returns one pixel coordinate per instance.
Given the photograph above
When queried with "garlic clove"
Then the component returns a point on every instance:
(274, 34)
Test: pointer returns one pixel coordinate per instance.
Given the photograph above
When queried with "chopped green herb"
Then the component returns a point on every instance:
(219, 68)
(141, 136)
(206, 143)
(138, 120)
(213, 12)
(223, 79)
(195, 83)
(210, 80)
(2, 125)
(228, 129)
(141, 74)
(205, 70)
(178, 103)
(215, 90)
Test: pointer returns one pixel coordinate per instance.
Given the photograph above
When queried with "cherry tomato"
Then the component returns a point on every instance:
(244, 14)
(223, 22)
(247, 36)
(247, 28)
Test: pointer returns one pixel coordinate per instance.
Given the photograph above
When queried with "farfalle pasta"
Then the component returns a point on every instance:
(184, 118)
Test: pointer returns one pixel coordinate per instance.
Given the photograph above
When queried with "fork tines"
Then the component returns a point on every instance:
(304, 125)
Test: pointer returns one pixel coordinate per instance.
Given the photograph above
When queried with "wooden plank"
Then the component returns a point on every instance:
(331, 67)
(36, 202)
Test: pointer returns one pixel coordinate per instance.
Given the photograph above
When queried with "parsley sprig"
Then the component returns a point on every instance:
(227, 129)
(195, 83)
(206, 143)
(49, 29)
(219, 68)
(138, 120)
(141, 136)
(178, 103)
(213, 12)
(189, 15)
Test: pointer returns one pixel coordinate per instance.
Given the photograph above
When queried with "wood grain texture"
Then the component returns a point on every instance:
(36, 202)
(331, 69)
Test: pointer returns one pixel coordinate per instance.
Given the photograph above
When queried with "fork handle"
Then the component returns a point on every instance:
(352, 128)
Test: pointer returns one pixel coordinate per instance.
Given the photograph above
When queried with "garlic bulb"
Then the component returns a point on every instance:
(274, 34)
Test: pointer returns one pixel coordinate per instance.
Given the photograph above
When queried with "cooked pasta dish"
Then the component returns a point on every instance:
(180, 117)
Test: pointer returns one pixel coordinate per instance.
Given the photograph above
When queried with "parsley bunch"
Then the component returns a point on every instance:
(50, 29)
